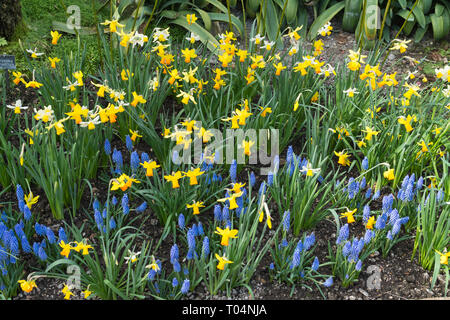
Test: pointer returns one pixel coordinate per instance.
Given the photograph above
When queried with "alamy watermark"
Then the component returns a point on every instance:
(373, 20)
(74, 280)
(374, 280)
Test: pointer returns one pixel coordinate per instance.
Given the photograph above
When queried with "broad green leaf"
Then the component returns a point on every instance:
(205, 18)
(302, 20)
(291, 10)
(169, 14)
(219, 6)
(326, 16)
(404, 14)
(402, 3)
(271, 20)
(420, 17)
(254, 4)
(352, 13)
(425, 5)
(59, 262)
(440, 25)
(420, 32)
(206, 37)
(439, 9)
(224, 17)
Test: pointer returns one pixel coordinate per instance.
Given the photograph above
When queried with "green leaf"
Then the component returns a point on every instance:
(205, 18)
(271, 20)
(420, 17)
(116, 291)
(60, 262)
(224, 17)
(437, 266)
(420, 32)
(352, 13)
(326, 16)
(439, 9)
(302, 20)
(219, 6)
(123, 5)
(404, 14)
(254, 4)
(402, 3)
(206, 37)
(425, 5)
(440, 25)
(291, 10)
(169, 14)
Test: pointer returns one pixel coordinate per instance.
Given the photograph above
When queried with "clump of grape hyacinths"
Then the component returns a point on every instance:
(20, 234)
(383, 230)
(348, 257)
(294, 261)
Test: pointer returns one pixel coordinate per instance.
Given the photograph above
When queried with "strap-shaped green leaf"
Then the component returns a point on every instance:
(291, 10)
(352, 14)
(254, 4)
(440, 24)
(420, 32)
(402, 3)
(224, 17)
(204, 35)
(326, 16)
(270, 14)
(205, 17)
(420, 17)
(439, 9)
(425, 5)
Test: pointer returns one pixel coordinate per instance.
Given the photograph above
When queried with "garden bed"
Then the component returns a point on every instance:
(342, 122)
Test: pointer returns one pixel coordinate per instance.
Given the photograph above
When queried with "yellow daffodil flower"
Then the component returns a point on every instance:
(343, 158)
(444, 257)
(349, 215)
(195, 207)
(84, 248)
(30, 200)
(55, 37)
(222, 261)
(191, 18)
(370, 223)
(66, 247)
(232, 200)
(369, 133)
(226, 235)
(67, 292)
(137, 99)
(123, 182)
(192, 175)
(27, 286)
(54, 61)
(150, 166)
(246, 145)
(174, 179)
(188, 54)
(113, 25)
(389, 174)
